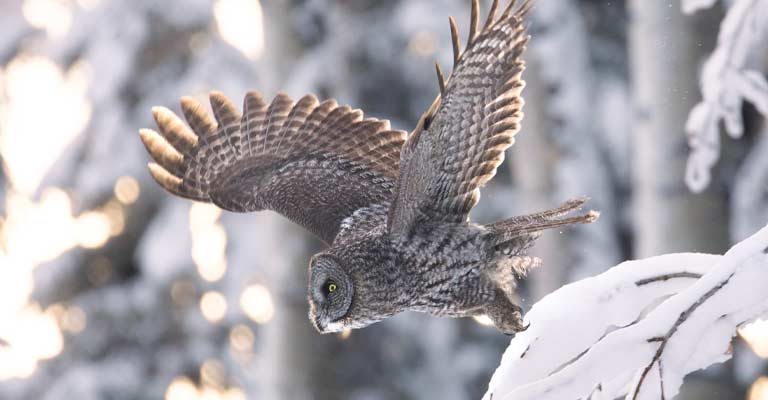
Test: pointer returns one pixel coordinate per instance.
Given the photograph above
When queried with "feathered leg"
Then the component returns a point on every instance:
(505, 314)
(509, 241)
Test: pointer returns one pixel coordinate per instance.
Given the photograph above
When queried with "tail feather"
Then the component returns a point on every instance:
(541, 225)
(563, 209)
(513, 236)
(511, 228)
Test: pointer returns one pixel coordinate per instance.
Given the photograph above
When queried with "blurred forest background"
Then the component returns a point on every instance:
(113, 289)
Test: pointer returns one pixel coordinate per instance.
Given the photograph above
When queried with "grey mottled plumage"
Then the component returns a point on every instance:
(393, 207)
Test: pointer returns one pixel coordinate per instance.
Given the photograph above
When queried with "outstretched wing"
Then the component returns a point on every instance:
(315, 163)
(460, 141)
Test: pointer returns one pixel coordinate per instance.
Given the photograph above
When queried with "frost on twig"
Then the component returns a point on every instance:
(637, 329)
(730, 76)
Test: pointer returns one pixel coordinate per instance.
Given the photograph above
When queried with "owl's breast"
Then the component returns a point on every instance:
(445, 266)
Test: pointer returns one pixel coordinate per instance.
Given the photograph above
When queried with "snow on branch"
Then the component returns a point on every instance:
(727, 79)
(637, 329)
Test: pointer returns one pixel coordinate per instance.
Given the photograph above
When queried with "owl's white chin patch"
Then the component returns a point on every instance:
(335, 326)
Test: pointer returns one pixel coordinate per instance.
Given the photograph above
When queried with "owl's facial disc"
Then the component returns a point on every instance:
(330, 294)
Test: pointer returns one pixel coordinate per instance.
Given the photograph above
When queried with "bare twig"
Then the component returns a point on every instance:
(683, 317)
(666, 277)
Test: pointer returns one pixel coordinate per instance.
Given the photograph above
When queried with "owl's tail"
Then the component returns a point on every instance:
(511, 228)
(511, 237)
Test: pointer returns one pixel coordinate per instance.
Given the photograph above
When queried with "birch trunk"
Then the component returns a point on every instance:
(575, 160)
(665, 48)
(748, 202)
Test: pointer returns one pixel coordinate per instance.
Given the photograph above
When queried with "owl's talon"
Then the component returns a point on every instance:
(506, 315)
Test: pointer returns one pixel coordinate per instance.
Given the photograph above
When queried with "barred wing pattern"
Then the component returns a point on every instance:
(315, 163)
(460, 141)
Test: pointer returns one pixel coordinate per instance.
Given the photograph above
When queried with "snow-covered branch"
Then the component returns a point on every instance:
(730, 76)
(637, 329)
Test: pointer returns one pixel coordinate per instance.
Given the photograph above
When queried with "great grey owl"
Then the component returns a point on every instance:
(392, 206)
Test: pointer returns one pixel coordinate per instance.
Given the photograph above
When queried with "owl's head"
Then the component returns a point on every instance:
(343, 295)
(331, 292)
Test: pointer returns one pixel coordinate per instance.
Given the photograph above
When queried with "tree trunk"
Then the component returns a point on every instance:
(665, 47)
(572, 155)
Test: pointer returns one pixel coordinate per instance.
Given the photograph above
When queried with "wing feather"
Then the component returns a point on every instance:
(253, 120)
(460, 141)
(315, 163)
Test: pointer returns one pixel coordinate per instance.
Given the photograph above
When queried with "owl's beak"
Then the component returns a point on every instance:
(318, 324)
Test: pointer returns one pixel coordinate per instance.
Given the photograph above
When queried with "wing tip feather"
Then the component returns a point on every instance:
(164, 178)
(197, 116)
(160, 150)
(224, 110)
(220, 100)
(456, 41)
(189, 103)
(173, 129)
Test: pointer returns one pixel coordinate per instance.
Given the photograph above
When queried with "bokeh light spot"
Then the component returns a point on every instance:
(181, 388)
(756, 336)
(73, 320)
(127, 189)
(234, 394)
(32, 84)
(213, 305)
(93, 229)
(201, 215)
(759, 389)
(212, 373)
(54, 16)
(256, 302)
(209, 241)
(241, 338)
(423, 44)
(240, 23)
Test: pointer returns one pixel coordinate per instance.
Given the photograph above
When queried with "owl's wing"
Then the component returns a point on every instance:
(315, 163)
(460, 141)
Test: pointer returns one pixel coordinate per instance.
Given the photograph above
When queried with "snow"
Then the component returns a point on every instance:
(691, 6)
(728, 79)
(603, 332)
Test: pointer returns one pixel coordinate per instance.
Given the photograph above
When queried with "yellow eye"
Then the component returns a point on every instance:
(331, 287)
